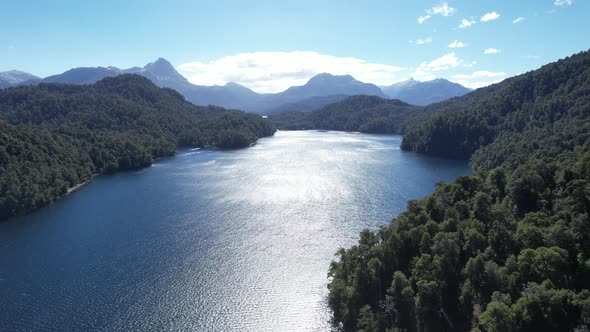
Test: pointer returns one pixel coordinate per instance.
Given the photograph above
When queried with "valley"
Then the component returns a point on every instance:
(383, 166)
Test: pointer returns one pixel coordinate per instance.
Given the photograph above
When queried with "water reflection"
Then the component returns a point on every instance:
(208, 240)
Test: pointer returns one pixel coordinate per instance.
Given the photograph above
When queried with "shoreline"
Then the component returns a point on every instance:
(80, 185)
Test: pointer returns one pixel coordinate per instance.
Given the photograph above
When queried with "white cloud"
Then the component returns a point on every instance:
(466, 23)
(469, 65)
(563, 2)
(426, 70)
(518, 20)
(489, 17)
(276, 71)
(443, 9)
(427, 40)
(421, 19)
(491, 51)
(479, 78)
(457, 44)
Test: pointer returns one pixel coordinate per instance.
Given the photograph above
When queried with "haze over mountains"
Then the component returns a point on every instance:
(320, 90)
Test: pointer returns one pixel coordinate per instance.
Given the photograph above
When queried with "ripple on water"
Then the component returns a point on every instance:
(210, 240)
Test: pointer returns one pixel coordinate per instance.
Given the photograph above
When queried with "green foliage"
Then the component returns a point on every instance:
(498, 317)
(55, 136)
(369, 114)
(507, 249)
(367, 321)
(530, 116)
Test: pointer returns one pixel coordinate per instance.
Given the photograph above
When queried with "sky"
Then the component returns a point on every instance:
(271, 45)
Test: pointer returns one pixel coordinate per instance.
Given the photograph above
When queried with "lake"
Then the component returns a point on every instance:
(209, 240)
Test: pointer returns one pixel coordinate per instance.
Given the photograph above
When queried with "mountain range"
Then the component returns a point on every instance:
(320, 90)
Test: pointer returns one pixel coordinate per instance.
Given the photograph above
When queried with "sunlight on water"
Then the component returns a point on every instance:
(209, 240)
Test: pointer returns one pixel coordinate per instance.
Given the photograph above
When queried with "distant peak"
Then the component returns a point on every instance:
(161, 67)
(236, 86)
(439, 80)
(329, 77)
(14, 71)
(411, 80)
(321, 76)
(160, 63)
(17, 76)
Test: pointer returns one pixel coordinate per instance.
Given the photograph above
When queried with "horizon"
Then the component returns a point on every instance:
(230, 83)
(437, 39)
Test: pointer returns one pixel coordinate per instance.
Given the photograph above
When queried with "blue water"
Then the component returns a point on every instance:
(209, 240)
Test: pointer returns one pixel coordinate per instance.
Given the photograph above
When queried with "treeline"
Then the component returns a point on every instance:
(507, 249)
(55, 136)
(369, 114)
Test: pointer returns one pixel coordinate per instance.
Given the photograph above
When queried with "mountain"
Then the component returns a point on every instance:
(317, 92)
(320, 90)
(163, 74)
(370, 114)
(230, 95)
(306, 105)
(393, 90)
(56, 136)
(506, 249)
(424, 93)
(83, 75)
(326, 85)
(15, 78)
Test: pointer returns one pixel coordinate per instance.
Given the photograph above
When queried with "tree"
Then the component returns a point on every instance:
(367, 321)
(498, 317)
(402, 296)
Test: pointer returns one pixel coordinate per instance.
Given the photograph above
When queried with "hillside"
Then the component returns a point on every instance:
(307, 105)
(538, 105)
(56, 136)
(504, 250)
(368, 114)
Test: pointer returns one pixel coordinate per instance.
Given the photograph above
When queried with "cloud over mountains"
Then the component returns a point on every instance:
(267, 72)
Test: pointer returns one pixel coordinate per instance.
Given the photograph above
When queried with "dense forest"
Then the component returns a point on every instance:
(56, 136)
(507, 249)
(369, 114)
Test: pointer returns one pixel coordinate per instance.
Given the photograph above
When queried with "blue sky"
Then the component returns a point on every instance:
(269, 45)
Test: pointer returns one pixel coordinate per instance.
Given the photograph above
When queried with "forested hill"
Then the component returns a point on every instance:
(55, 136)
(370, 114)
(505, 250)
(536, 104)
